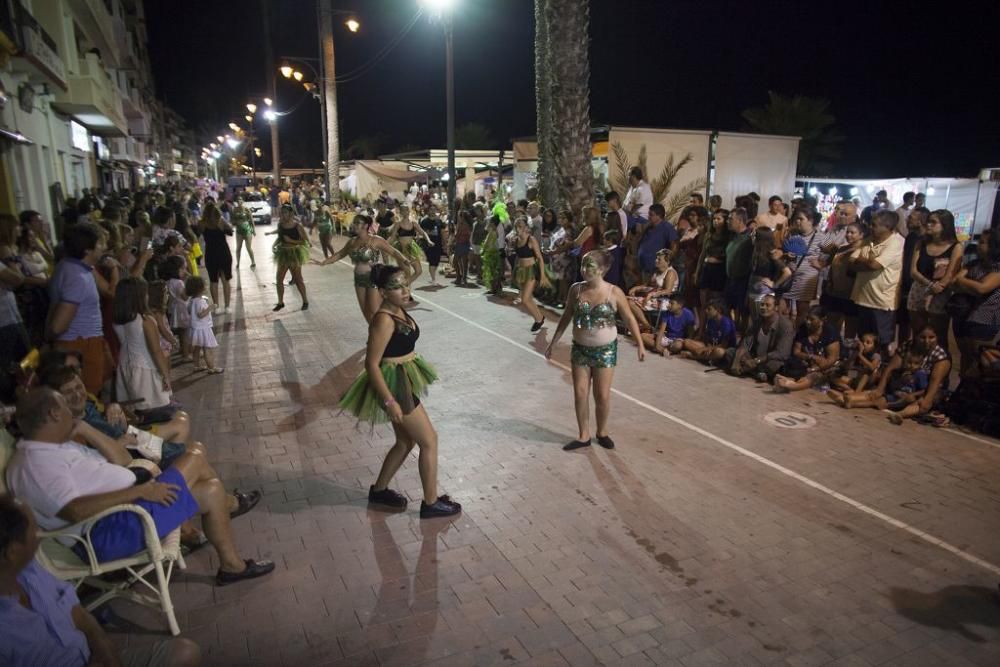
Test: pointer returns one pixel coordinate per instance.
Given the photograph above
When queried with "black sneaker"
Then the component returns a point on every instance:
(386, 497)
(278, 307)
(576, 444)
(305, 306)
(605, 441)
(537, 325)
(443, 506)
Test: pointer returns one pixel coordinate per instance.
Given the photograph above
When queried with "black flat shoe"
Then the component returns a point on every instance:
(254, 569)
(387, 497)
(245, 502)
(576, 444)
(305, 306)
(443, 506)
(606, 442)
(537, 325)
(278, 307)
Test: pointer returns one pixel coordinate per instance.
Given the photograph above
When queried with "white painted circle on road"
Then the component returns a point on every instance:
(785, 419)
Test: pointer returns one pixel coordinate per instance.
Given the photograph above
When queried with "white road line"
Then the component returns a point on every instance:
(963, 434)
(896, 523)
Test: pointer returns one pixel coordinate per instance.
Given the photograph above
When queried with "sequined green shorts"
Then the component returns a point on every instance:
(602, 356)
(363, 280)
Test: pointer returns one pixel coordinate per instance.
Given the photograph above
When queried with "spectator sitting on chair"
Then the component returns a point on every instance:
(98, 433)
(717, 336)
(766, 347)
(42, 619)
(67, 483)
(177, 429)
(676, 324)
(644, 300)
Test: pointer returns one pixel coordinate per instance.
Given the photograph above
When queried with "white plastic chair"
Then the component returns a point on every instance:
(158, 557)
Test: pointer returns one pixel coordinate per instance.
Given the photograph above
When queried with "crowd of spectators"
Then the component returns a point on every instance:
(779, 293)
(91, 326)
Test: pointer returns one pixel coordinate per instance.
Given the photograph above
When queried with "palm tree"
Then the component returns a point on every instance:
(673, 200)
(563, 81)
(805, 117)
(543, 108)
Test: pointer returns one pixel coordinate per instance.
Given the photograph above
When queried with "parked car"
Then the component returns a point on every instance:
(259, 207)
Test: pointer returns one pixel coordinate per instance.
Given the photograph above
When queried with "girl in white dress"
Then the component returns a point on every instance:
(142, 373)
(200, 308)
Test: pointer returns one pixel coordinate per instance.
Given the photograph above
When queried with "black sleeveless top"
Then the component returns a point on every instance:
(524, 251)
(926, 261)
(404, 336)
(406, 232)
(291, 233)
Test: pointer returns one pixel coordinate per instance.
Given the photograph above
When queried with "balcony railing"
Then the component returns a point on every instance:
(38, 47)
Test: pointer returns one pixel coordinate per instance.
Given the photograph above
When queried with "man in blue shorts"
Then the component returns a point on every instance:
(66, 483)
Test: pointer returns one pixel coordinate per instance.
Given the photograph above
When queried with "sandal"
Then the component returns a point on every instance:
(244, 502)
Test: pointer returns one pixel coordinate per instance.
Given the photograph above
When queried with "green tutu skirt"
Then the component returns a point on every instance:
(411, 249)
(407, 378)
(290, 255)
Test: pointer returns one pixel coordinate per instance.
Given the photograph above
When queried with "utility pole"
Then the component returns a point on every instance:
(273, 87)
(331, 131)
(450, 95)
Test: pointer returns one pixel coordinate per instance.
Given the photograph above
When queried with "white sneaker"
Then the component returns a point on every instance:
(226, 310)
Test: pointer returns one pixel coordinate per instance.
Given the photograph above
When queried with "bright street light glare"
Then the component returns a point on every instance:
(220, 138)
(234, 127)
(216, 154)
(286, 71)
(213, 146)
(270, 116)
(268, 101)
(251, 107)
(297, 75)
(352, 25)
(233, 143)
(249, 118)
(438, 5)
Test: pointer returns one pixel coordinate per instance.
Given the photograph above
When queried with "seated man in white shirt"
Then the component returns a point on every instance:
(774, 217)
(66, 483)
(42, 619)
(639, 197)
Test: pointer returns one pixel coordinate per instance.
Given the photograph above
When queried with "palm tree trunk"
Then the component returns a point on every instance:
(547, 189)
(332, 147)
(569, 82)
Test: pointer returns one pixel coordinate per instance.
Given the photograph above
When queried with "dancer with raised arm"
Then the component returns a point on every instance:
(592, 306)
(363, 250)
(389, 389)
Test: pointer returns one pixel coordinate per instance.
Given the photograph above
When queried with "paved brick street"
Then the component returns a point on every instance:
(707, 537)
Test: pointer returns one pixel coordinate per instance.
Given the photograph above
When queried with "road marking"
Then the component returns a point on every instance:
(785, 419)
(896, 523)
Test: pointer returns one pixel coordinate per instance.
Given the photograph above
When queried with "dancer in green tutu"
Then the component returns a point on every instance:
(291, 251)
(389, 389)
(364, 249)
(403, 235)
(324, 223)
(493, 260)
(243, 221)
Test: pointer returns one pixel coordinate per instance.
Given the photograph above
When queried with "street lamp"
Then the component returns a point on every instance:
(445, 10)
(352, 25)
(234, 127)
(270, 116)
(286, 71)
(268, 101)
(220, 138)
(251, 107)
(248, 118)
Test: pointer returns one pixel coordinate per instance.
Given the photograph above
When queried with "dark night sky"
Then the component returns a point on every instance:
(914, 93)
